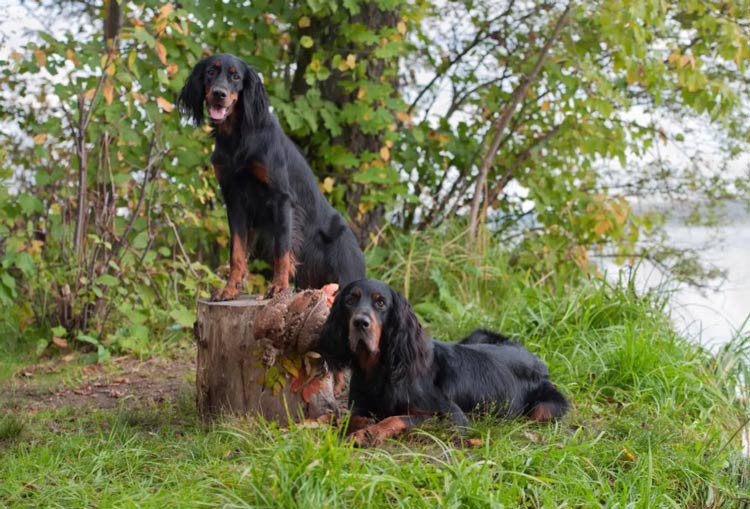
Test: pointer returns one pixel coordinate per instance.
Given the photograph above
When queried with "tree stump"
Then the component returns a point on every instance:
(231, 375)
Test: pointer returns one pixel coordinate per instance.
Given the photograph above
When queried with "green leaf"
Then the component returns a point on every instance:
(107, 280)
(183, 316)
(306, 41)
(141, 240)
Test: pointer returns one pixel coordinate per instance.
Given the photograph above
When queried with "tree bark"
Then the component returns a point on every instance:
(230, 374)
(356, 141)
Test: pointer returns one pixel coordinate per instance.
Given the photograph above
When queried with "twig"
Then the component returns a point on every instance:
(179, 244)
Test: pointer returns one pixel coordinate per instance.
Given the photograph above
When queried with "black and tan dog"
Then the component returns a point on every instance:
(401, 376)
(274, 206)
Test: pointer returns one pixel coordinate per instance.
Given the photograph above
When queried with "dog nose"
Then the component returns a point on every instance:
(219, 93)
(361, 322)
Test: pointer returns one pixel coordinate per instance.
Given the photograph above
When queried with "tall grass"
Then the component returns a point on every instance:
(655, 419)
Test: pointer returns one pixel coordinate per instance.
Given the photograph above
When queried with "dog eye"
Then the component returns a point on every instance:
(380, 303)
(236, 77)
(350, 300)
(211, 71)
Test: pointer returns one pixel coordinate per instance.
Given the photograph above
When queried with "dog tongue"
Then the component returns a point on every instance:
(217, 113)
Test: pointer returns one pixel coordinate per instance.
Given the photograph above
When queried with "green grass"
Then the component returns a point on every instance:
(654, 420)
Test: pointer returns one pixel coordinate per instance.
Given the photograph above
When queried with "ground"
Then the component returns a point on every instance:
(126, 382)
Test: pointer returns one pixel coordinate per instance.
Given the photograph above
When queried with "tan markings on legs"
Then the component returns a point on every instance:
(375, 434)
(281, 270)
(237, 269)
(358, 422)
(540, 413)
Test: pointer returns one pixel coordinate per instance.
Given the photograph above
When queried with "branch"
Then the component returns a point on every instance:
(502, 122)
(478, 38)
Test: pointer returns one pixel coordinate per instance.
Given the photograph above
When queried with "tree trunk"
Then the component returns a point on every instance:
(231, 378)
(372, 17)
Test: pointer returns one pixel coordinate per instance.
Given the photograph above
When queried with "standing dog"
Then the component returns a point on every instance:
(273, 202)
(401, 376)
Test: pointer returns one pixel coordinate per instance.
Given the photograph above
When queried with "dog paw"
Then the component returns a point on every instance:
(273, 290)
(229, 292)
(362, 438)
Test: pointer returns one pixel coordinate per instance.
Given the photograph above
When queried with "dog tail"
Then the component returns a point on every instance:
(336, 227)
(546, 403)
(484, 337)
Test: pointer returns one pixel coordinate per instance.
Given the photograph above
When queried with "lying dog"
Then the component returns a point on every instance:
(400, 376)
(273, 202)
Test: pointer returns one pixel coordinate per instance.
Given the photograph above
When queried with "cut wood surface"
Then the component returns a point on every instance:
(230, 374)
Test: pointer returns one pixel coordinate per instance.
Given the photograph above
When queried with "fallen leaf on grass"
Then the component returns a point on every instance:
(121, 380)
(310, 423)
(475, 442)
(59, 342)
(534, 437)
(29, 486)
(116, 394)
(629, 455)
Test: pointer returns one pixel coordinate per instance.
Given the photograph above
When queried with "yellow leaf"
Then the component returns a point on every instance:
(108, 90)
(684, 60)
(628, 454)
(327, 185)
(389, 143)
(545, 105)
(290, 367)
(166, 9)
(385, 153)
(139, 97)
(71, 56)
(39, 138)
(89, 94)
(172, 70)
(361, 93)
(351, 61)
(160, 26)
(40, 57)
(403, 117)
(164, 104)
(161, 51)
(602, 227)
(137, 22)
(131, 59)
(632, 76)
(673, 56)
(401, 27)
(177, 27)
(304, 22)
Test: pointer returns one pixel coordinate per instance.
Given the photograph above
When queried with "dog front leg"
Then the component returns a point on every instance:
(387, 428)
(239, 236)
(284, 263)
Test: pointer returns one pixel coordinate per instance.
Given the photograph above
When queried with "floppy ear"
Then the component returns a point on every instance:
(334, 337)
(192, 95)
(403, 340)
(254, 97)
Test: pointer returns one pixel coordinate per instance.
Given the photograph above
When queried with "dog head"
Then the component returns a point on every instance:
(226, 88)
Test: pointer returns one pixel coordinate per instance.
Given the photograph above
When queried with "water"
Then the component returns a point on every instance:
(713, 318)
